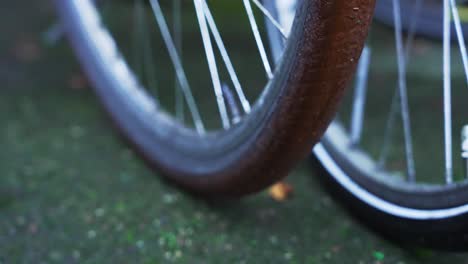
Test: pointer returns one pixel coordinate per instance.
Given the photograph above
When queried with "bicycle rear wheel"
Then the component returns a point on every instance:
(405, 184)
(256, 144)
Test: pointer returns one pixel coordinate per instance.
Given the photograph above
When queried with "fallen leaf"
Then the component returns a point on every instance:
(281, 191)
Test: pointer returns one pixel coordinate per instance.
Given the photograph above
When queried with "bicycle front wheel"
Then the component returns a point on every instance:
(257, 134)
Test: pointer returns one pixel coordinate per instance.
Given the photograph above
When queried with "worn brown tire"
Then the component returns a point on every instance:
(319, 59)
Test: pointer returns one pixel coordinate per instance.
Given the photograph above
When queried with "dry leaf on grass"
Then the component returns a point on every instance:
(281, 191)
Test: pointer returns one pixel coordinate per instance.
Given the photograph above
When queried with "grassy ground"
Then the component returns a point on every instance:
(72, 192)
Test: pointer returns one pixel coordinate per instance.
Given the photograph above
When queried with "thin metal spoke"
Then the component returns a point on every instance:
(390, 125)
(389, 128)
(231, 102)
(271, 18)
(412, 29)
(359, 102)
(142, 50)
(137, 36)
(149, 65)
(460, 37)
(447, 95)
(181, 76)
(212, 63)
(411, 171)
(258, 38)
(227, 60)
(179, 100)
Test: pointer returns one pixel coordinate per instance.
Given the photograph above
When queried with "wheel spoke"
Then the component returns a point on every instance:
(394, 105)
(142, 50)
(447, 95)
(389, 128)
(231, 102)
(460, 37)
(403, 93)
(181, 76)
(412, 28)
(149, 65)
(359, 102)
(137, 36)
(271, 18)
(179, 100)
(258, 39)
(210, 56)
(227, 60)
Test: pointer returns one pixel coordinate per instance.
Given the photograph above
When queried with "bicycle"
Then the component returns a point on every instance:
(258, 135)
(392, 181)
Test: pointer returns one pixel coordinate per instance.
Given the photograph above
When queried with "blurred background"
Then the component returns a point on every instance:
(72, 191)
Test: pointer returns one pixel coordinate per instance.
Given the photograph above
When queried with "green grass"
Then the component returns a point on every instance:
(71, 191)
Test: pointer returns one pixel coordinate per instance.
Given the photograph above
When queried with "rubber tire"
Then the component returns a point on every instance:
(324, 49)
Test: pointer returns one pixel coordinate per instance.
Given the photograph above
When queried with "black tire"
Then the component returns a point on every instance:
(319, 60)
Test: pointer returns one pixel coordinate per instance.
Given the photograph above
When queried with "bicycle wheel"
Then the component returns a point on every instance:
(405, 184)
(247, 146)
